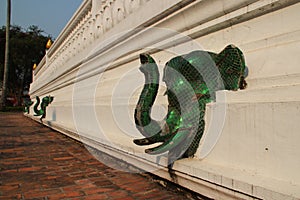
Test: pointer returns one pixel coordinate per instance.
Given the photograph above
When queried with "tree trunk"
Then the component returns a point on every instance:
(6, 62)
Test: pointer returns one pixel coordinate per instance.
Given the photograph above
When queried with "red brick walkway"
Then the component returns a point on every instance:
(39, 163)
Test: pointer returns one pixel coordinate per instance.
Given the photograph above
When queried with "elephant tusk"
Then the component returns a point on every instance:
(178, 141)
(153, 139)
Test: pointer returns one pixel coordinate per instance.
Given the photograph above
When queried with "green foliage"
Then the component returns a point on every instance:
(26, 48)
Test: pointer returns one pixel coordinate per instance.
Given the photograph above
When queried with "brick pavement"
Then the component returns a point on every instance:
(39, 163)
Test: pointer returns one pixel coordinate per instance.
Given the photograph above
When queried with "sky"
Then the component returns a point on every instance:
(49, 15)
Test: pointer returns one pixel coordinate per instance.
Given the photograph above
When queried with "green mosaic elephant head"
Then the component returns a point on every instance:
(191, 81)
(45, 102)
(27, 104)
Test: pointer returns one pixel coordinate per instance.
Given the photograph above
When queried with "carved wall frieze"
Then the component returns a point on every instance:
(88, 26)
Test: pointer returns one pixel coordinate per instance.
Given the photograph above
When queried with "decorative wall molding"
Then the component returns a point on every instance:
(85, 41)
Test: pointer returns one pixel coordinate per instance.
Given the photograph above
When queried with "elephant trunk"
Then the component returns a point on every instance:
(147, 126)
(35, 108)
(178, 129)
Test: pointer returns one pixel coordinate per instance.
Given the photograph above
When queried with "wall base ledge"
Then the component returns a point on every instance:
(208, 179)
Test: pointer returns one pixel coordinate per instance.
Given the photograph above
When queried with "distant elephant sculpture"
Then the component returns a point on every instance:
(45, 102)
(191, 83)
(27, 104)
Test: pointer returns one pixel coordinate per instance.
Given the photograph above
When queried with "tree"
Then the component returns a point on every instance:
(6, 61)
(27, 46)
